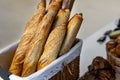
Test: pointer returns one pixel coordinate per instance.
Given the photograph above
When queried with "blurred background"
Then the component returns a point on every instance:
(14, 15)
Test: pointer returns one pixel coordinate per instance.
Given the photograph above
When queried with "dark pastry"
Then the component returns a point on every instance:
(100, 69)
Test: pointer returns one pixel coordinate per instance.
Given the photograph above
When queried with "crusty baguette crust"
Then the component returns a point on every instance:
(38, 42)
(55, 0)
(18, 59)
(52, 1)
(42, 3)
(62, 17)
(52, 46)
(72, 30)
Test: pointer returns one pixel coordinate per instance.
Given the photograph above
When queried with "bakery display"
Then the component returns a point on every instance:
(100, 69)
(46, 35)
(50, 34)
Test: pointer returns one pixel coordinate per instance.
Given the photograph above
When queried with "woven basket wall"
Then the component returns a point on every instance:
(69, 72)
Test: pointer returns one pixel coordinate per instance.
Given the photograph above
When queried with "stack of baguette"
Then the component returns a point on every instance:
(47, 35)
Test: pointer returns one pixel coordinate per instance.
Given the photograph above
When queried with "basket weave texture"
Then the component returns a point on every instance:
(69, 72)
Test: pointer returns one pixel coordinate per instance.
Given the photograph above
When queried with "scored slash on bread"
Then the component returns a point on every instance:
(18, 59)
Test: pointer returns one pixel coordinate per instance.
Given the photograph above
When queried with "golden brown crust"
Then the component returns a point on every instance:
(55, 0)
(62, 17)
(42, 3)
(52, 46)
(38, 42)
(16, 66)
(72, 30)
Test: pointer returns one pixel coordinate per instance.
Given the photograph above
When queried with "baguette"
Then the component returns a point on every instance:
(18, 59)
(72, 30)
(52, 46)
(38, 42)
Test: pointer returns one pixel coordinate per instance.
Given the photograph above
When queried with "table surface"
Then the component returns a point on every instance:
(91, 48)
(14, 14)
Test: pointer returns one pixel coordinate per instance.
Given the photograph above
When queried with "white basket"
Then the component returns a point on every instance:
(46, 73)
